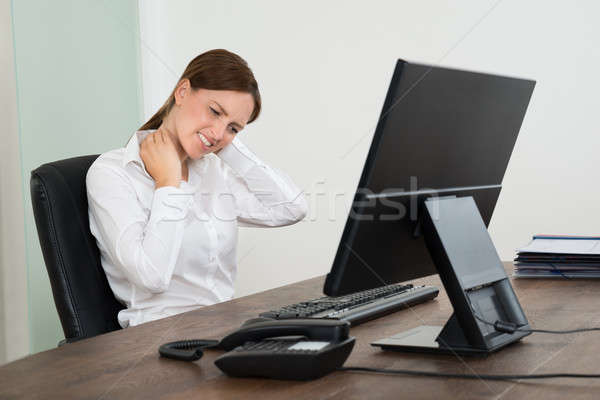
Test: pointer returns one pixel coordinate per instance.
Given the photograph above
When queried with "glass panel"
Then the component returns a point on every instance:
(78, 92)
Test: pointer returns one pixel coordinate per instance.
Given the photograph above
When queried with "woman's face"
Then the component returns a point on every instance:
(205, 120)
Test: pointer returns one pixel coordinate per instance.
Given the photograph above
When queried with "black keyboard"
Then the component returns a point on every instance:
(358, 307)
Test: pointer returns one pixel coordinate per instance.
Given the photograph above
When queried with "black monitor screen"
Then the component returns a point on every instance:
(441, 132)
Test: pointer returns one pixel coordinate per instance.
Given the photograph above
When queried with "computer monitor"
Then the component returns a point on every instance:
(425, 197)
(441, 132)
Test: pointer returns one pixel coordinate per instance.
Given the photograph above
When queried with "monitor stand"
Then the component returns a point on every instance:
(475, 281)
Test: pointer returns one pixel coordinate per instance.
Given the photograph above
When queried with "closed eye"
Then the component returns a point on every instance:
(217, 113)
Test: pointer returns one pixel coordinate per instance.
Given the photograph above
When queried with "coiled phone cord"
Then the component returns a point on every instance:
(187, 350)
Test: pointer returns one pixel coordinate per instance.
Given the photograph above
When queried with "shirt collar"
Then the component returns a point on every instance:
(132, 153)
(132, 150)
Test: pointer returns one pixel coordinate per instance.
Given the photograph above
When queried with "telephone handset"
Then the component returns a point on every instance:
(298, 349)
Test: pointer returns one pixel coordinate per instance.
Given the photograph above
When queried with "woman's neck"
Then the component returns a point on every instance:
(168, 124)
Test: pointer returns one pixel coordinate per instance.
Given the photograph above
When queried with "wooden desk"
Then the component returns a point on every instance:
(125, 364)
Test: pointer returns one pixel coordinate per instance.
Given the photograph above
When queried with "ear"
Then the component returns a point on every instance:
(183, 89)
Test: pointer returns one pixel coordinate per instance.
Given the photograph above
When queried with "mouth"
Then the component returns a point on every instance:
(204, 140)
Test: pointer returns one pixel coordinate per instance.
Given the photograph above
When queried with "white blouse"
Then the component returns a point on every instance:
(171, 250)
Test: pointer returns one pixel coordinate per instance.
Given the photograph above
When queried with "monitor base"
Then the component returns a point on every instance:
(422, 339)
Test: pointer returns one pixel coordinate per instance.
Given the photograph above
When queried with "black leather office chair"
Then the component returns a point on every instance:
(85, 303)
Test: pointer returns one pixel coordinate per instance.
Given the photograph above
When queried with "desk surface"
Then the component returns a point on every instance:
(125, 364)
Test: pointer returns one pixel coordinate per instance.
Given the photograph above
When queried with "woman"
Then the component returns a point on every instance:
(166, 208)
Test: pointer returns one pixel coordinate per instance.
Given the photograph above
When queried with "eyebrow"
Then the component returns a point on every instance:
(240, 127)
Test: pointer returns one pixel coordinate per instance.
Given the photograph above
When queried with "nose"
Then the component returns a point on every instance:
(219, 131)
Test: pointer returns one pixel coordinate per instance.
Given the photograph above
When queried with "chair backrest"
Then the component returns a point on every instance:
(85, 303)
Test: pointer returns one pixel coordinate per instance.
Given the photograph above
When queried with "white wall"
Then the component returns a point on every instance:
(14, 331)
(323, 69)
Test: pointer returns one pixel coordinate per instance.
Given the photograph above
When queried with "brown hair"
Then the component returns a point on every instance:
(213, 70)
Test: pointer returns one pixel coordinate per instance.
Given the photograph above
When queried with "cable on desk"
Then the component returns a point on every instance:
(511, 327)
(500, 326)
(492, 377)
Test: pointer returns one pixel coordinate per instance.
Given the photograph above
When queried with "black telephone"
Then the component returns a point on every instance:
(297, 349)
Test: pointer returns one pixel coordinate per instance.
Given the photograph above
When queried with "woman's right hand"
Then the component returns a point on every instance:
(161, 159)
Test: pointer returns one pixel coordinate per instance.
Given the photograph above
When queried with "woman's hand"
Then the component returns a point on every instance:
(161, 159)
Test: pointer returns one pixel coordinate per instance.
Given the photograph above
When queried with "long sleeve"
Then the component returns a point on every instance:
(264, 196)
(144, 247)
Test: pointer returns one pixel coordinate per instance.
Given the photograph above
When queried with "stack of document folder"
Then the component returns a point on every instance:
(549, 256)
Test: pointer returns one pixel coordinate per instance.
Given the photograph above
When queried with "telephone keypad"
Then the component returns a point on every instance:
(274, 346)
